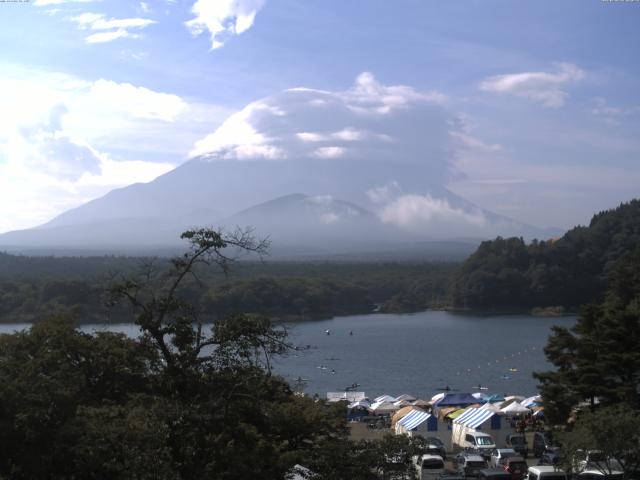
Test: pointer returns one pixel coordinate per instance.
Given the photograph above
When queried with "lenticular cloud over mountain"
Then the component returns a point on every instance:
(372, 134)
(367, 165)
(391, 125)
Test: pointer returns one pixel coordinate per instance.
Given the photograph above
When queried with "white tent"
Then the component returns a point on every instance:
(384, 398)
(383, 407)
(515, 409)
(405, 396)
(360, 403)
(517, 398)
(437, 397)
(528, 402)
(491, 407)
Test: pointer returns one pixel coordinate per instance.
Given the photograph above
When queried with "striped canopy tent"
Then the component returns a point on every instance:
(413, 419)
(402, 412)
(474, 417)
(515, 409)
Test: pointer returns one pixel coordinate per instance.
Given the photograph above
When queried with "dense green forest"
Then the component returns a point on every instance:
(32, 287)
(569, 271)
(503, 274)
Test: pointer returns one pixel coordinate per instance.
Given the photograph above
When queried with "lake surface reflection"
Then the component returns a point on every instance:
(412, 353)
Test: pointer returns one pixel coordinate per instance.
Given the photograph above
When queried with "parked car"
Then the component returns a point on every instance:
(480, 442)
(541, 441)
(598, 475)
(594, 460)
(435, 446)
(428, 467)
(518, 442)
(469, 464)
(516, 466)
(493, 474)
(550, 457)
(546, 472)
(500, 454)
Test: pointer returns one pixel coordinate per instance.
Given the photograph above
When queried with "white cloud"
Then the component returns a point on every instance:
(65, 140)
(45, 171)
(369, 120)
(541, 87)
(417, 212)
(117, 27)
(238, 139)
(611, 113)
(43, 3)
(471, 142)
(139, 102)
(369, 96)
(223, 18)
(385, 193)
(330, 152)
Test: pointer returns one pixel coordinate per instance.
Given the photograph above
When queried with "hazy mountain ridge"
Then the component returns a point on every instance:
(152, 216)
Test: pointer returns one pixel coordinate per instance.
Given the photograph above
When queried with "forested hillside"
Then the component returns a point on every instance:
(35, 287)
(569, 271)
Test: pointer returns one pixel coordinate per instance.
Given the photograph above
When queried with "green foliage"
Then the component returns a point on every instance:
(570, 271)
(598, 358)
(613, 431)
(31, 288)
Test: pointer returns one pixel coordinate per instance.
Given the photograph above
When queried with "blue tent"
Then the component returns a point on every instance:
(456, 400)
(496, 397)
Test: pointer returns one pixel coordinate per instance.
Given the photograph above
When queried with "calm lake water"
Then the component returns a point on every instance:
(413, 353)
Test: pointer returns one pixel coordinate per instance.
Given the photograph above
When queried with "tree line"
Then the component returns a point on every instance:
(569, 271)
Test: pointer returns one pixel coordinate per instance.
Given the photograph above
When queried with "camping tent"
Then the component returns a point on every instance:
(455, 400)
(534, 401)
(383, 407)
(402, 412)
(480, 419)
(515, 409)
(405, 396)
(384, 398)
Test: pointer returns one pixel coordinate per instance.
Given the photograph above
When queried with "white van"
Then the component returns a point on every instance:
(481, 442)
(545, 472)
(429, 467)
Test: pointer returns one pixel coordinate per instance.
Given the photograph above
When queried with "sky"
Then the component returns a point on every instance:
(529, 109)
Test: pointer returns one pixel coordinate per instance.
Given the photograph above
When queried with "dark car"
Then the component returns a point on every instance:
(541, 441)
(517, 467)
(494, 474)
(550, 457)
(435, 447)
(518, 442)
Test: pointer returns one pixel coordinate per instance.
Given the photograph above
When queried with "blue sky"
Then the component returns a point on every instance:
(99, 94)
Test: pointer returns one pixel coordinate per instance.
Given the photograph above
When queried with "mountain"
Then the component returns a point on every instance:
(150, 217)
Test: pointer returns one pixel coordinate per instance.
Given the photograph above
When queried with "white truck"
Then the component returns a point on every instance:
(428, 467)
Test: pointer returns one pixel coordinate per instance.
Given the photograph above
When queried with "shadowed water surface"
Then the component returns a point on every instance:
(413, 353)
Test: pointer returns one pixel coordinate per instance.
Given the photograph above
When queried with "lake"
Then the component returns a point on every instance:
(411, 353)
